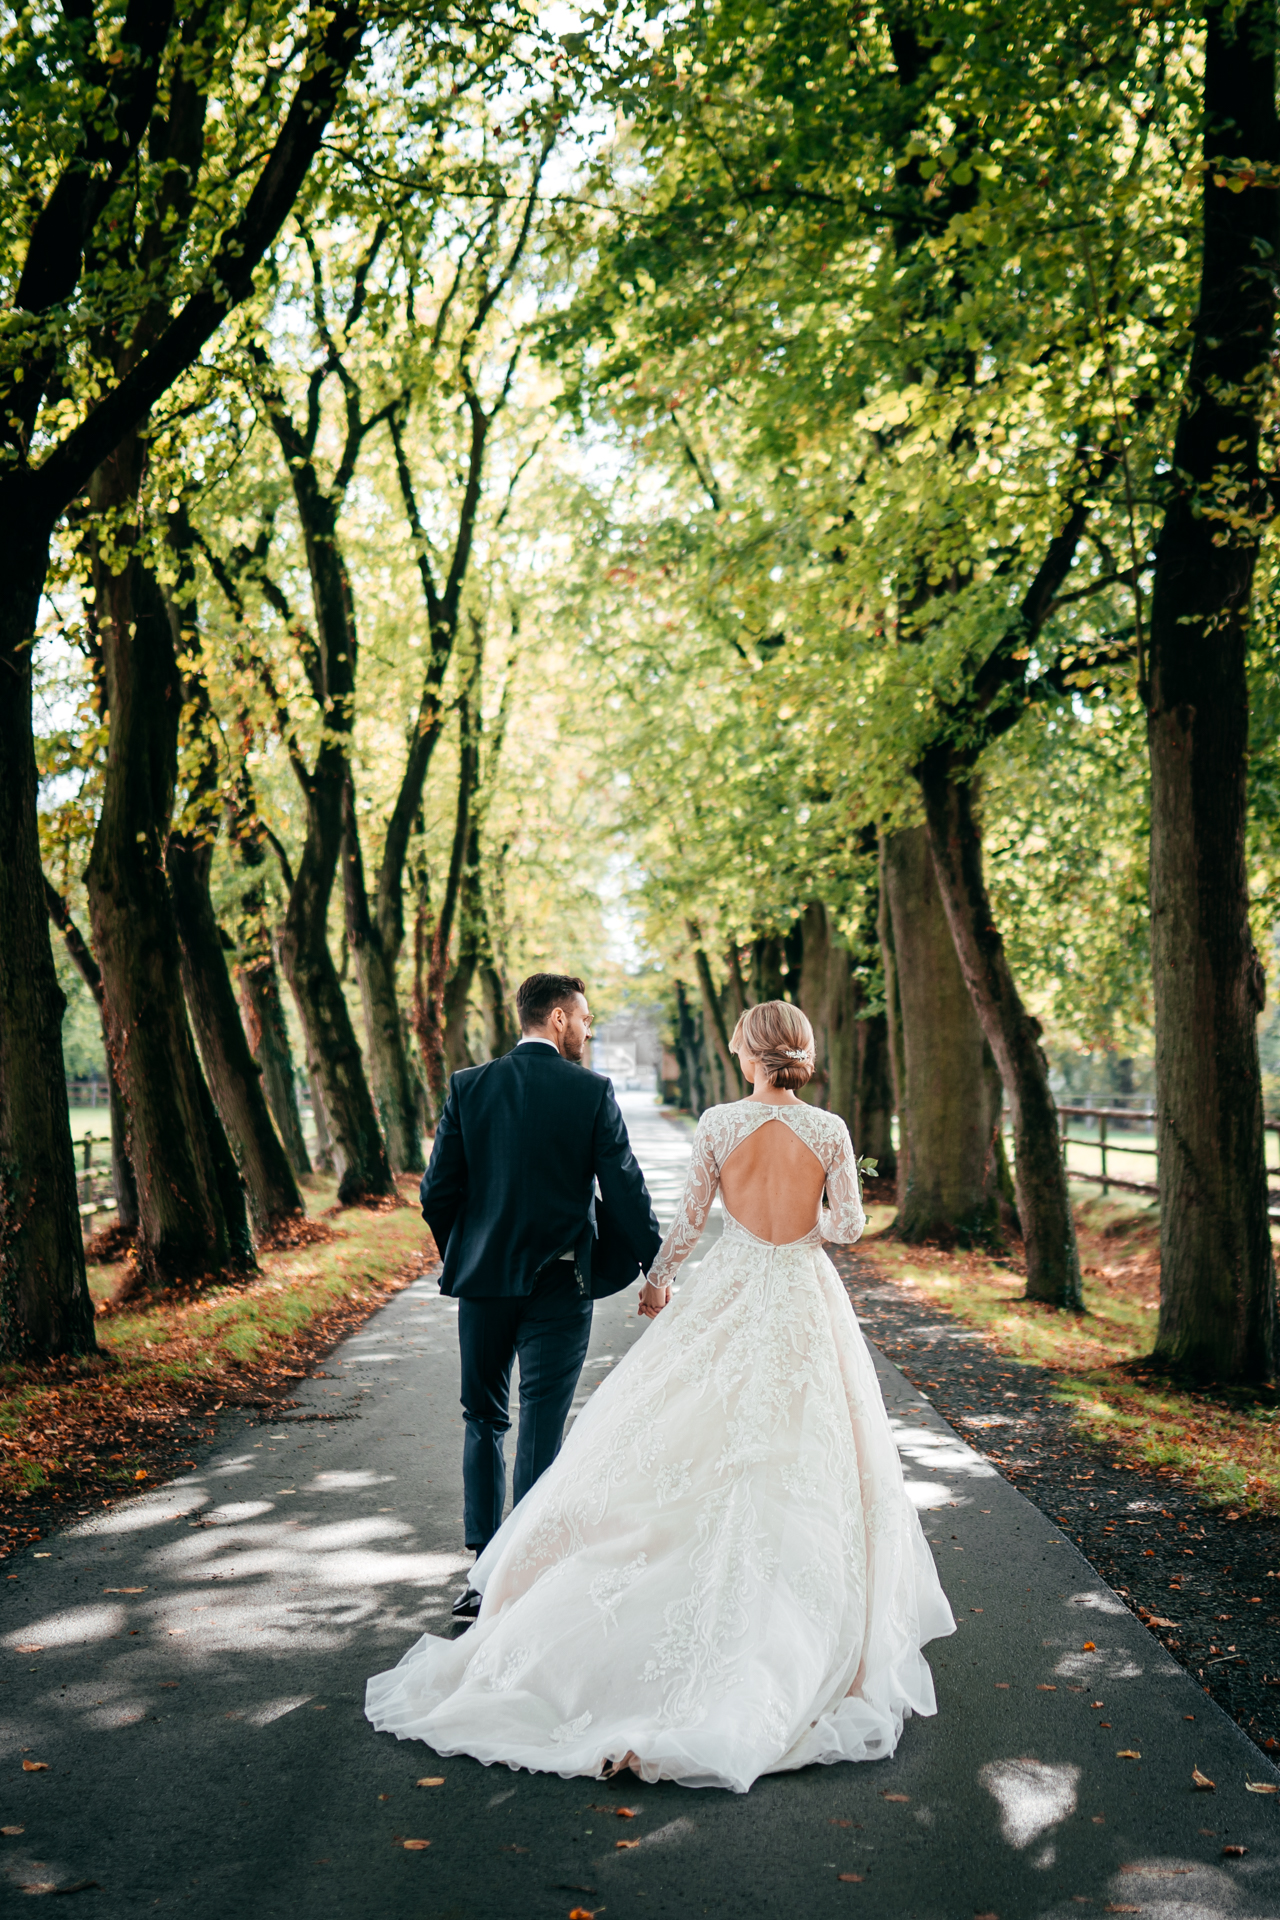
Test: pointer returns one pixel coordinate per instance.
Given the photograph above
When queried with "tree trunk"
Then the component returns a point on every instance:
(499, 1027)
(767, 956)
(872, 1126)
(731, 1081)
(1218, 1285)
(262, 1016)
(1040, 1174)
(893, 1028)
(359, 1155)
(324, 1161)
(122, 1181)
(234, 1079)
(184, 1227)
(827, 993)
(951, 1109)
(691, 1051)
(430, 968)
(45, 1307)
(375, 963)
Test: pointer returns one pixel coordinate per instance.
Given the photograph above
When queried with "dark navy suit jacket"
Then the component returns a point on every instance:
(510, 1184)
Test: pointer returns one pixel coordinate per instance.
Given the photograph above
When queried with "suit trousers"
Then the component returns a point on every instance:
(549, 1329)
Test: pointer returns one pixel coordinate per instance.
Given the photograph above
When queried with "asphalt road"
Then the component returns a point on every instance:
(223, 1766)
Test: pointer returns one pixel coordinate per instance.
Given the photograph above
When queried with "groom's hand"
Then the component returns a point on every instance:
(652, 1300)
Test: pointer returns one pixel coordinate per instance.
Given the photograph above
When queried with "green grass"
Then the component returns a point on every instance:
(1227, 1453)
(92, 1427)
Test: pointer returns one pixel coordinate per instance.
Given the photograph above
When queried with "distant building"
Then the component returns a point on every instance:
(628, 1048)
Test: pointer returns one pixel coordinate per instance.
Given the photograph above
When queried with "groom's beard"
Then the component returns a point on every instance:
(572, 1050)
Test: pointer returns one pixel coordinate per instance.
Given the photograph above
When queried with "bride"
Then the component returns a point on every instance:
(721, 1575)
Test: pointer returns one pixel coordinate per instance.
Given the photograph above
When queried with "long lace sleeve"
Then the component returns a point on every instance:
(700, 1187)
(842, 1218)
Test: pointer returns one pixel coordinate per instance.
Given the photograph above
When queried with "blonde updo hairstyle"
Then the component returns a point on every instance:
(777, 1035)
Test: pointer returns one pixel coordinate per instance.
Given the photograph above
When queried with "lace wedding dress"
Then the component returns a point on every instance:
(721, 1573)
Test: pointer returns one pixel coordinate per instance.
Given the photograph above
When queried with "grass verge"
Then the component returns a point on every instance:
(1227, 1453)
(80, 1434)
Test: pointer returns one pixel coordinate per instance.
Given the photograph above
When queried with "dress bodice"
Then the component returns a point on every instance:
(720, 1131)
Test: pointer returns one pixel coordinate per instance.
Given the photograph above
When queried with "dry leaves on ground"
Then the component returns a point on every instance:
(432, 1780)
(1201, 1781)
(35, 1766)
(415, 1846)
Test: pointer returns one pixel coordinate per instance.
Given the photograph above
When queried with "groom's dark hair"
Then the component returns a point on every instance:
(536, 996)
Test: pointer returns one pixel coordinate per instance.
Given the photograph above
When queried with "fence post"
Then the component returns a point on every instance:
(1102, 1142)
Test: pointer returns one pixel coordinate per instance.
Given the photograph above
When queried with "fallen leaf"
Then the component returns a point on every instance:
(626, 1813)
(1260, 1786)
(1158, 1620)
(1115, 1907)
(415, 1846)
(432, 1780)
(582, 1913)
(1042, 1686)
(168, 1683)
(1201, 1781)
(626, 1843)
(901, 1799)
(124, 1589)
(12, 1831)
(855, 1877)
(141, 1474)
(1235, 1853)
(839, 1823)
(1097, 1703)
(35, 1766)
(39, 1649)
(1127, 1753)
(1089, 1647)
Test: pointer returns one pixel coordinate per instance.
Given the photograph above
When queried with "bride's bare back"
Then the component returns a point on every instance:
(772, 1184)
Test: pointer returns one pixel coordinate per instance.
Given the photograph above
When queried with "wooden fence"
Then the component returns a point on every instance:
(1113, 1124)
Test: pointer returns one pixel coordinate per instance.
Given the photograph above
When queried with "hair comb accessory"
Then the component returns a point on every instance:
(796, 1053)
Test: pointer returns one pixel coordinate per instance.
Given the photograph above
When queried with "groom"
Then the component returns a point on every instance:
(509, 1199)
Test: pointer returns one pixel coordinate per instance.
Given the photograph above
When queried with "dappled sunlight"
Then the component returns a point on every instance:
(348, 1481)
(925, 1495)
(150, 1510)
(77, 1626)
(1032, 1797)
(941, 1450)
(1096, 1667)
(1094, 1601)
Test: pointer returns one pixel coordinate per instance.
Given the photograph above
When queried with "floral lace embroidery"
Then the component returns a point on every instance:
(485, 1672)
(671, 1481)
(720, 1130)
(814, 1589)
(570, 1729)
(608, 1587)
(731, 1563)
(799, 1482)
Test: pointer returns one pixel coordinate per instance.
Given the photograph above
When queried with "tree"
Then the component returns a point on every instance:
(83, 154)
(1218, 1314)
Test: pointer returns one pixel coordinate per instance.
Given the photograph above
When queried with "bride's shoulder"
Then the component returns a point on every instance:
(820, 1123)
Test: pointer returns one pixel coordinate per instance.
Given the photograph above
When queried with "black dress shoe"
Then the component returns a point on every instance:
(467, 1605)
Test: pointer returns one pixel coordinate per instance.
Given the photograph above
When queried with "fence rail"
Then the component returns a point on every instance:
(94, 1190)
(1100, 1143)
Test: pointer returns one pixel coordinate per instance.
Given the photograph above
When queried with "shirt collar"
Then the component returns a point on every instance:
(536, 1040)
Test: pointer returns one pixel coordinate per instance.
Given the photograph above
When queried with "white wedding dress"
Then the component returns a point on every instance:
(721, 1573)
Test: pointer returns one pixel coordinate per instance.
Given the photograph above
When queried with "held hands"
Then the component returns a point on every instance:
(652, 1300)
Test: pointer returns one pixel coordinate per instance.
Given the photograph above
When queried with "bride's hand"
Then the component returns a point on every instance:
(652, 1300)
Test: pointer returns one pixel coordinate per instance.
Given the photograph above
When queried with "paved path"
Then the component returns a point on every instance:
(223, 1768)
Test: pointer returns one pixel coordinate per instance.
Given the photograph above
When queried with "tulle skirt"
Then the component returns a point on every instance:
(720, 1574)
